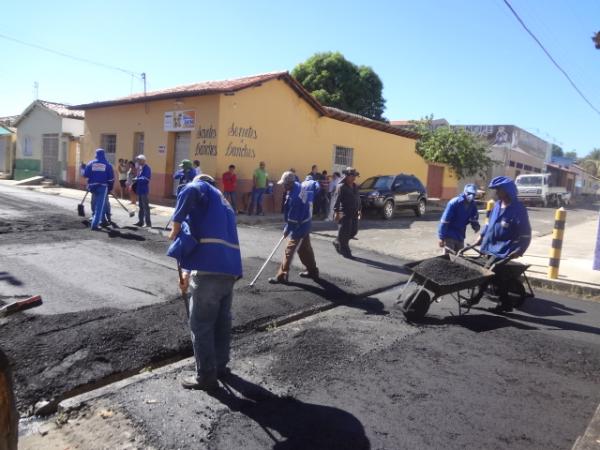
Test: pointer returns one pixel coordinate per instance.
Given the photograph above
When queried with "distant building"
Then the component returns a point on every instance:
(8, 137)
(46, 133)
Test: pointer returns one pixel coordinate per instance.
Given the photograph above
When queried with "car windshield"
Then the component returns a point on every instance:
(529, 181)
(382, 183)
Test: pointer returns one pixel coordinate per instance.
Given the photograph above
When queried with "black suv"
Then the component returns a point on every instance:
(390, 192)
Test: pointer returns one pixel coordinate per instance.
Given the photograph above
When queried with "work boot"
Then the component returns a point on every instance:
(138, 224)
(204, 382)
(223, 372)
(279, 279)
(307, 274)
(336, 245)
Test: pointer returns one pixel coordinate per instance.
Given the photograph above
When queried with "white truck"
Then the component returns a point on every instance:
(540, 188)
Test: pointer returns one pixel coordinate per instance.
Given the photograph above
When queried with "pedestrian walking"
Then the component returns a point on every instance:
(314, 174)
(460, 212)
(229, 179)
(259, 186)
(206, 247)
(131, 174)
(100, 177)
(324, 194)
(298, 221)
(347, 211)
(142, 190)
(122, 171)
(184, 175)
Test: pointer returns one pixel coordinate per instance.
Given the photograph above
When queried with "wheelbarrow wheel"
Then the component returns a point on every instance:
(9, 418)
(415, 302)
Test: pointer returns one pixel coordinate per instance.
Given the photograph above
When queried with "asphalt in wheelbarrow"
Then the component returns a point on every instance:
(444, 272)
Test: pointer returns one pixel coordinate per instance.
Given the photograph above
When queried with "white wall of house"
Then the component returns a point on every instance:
(38, 122)
(72, 126)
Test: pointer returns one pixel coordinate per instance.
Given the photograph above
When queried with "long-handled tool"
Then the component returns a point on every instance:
(184, 295)
(131, 213)
(267, 261)
(21, 305)
(168, 223)
(81, 206)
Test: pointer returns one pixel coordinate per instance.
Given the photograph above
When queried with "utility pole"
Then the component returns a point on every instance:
(36, 86)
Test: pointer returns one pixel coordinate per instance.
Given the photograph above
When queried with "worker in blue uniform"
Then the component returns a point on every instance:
(460, 212)
(142, 190)
(184, 175)
(100, 177)
(508, 233)
(207, 248)
(298, 209)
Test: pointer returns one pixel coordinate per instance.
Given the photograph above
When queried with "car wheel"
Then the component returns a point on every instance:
(387, 212)
(421, 208)
(9, 418)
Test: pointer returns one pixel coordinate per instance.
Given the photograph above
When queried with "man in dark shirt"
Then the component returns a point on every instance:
(347, 211)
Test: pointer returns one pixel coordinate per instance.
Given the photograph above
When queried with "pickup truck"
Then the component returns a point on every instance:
(537, 188)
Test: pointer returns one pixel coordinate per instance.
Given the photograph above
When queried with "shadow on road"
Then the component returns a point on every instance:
(383, 266)
(5, 276)
(300, 425)
(338, 296)
(544, 308)
(127, 236)
(478, 323)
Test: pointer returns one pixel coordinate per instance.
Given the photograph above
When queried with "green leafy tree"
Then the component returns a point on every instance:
(571, 155)
(466, 153)
(590, 166)
(594, 154)
(557, 151)
(337, 82)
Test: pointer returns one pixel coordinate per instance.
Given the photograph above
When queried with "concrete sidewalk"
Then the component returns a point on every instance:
(575, 273)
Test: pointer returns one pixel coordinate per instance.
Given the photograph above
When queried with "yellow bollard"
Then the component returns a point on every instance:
(488, 210)
(558, 234)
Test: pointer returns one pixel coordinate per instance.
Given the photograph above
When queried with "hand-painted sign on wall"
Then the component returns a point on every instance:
(239, 148)
(180, 120)
(208, 145)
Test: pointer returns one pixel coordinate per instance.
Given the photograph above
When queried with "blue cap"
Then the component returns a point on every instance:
(500, 182)
(470, 189)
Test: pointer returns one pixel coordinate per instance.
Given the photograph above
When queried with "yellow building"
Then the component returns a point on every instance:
(268, 117)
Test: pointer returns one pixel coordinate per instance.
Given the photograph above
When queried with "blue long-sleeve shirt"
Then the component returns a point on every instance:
(458, 214)
(142, 186)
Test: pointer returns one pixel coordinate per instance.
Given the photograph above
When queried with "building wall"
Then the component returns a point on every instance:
(268, 123)
(10, 140)
(37, 123)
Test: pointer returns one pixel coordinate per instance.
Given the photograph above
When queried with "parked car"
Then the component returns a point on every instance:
(387, 193)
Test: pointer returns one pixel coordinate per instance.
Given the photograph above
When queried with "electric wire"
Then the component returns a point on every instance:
(581, 94)
(76, 58)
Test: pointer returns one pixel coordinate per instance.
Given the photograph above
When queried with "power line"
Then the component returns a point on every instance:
(550, 57)
(76, 58)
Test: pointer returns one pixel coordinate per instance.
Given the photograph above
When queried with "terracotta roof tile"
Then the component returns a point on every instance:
(63, 110)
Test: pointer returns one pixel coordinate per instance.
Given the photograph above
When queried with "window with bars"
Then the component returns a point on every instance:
(343, 156)
(109, 143)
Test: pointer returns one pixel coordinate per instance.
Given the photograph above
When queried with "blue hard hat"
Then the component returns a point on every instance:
(499, 182)
(470, 189)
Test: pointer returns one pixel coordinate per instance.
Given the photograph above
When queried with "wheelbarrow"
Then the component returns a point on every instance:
(432, 278)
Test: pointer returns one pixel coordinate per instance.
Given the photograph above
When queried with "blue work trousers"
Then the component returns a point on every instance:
(99, 205)
(210, 321)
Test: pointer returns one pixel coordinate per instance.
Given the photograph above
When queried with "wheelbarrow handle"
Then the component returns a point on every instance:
(469, 247)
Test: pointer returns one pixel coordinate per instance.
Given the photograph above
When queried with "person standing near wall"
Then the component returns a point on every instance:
(347, 211)
(259, 186)
(184, 175)
(333, 184)
(142, 189)
(229, 179)
(100, 176)
(122, 170)
(131, 174)
(208, 251)
(197, 168)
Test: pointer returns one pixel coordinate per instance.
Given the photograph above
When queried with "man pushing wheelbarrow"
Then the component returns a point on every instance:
(466, 279)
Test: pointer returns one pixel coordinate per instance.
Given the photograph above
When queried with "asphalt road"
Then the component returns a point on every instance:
(111, 301)
(364, 378)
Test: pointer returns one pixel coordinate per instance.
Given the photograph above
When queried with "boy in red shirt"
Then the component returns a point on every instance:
(229, 186)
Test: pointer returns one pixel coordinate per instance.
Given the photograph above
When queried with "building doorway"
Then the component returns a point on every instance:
(50, 166)
(138, 144)
(435, 181)
(182, 151)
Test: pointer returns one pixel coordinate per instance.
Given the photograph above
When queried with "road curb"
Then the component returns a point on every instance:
(578, 290)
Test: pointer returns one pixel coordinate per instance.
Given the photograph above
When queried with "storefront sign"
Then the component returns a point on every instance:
(180, 120)
(240, 148)
(208, 145)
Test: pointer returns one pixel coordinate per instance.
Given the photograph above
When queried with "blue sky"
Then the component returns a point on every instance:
(467, 61)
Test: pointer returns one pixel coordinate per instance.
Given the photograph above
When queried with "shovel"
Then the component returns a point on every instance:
(131, 213)
(81, 206)
(21, 305)
(267, 261)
